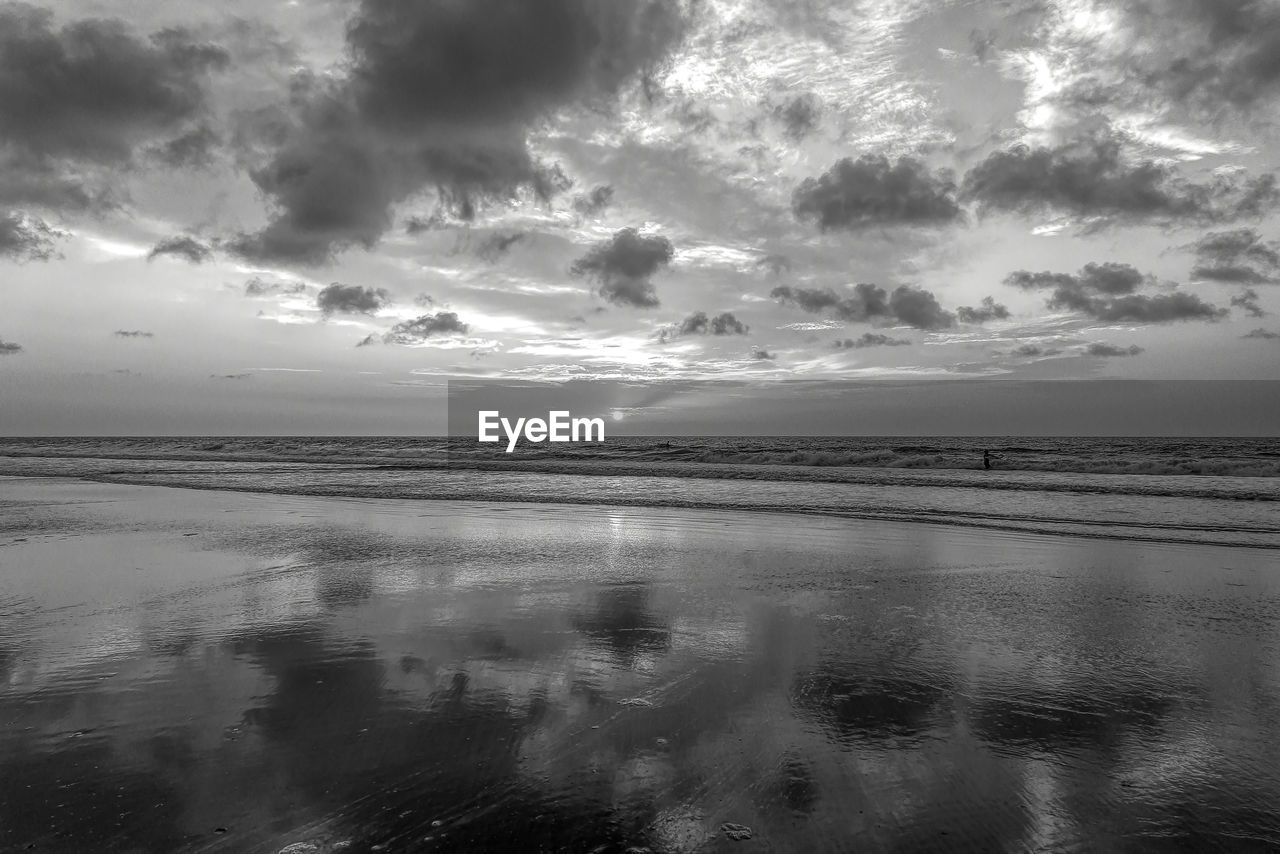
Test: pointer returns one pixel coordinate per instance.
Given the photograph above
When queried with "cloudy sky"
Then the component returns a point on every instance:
(292, 216)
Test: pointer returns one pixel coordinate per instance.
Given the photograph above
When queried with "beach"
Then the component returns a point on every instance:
(206, 670)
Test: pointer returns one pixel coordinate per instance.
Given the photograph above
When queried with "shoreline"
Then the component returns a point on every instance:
(1086, 529)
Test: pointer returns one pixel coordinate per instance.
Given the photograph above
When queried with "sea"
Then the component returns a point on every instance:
(1178, 490)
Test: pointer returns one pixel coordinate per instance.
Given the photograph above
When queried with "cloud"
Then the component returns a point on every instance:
(439, 96)
(1110, 279)
(624, 265)
(367, 341)
(699, 323)
(1248, 301)
(25, 238)
(77, 101)
(1239, 257)
(989, 310)
(1106, 292)
(1035, 350)
(799, 115)
(1161, 308)
(351, 299)
(775, 263)
(421, 328)
(762, 355)
(1109, 351)
(867, 302)
(183, 246)
(1263, 334)
(919, 308)
(194, 149)
(912, 306)
(870, 339)
(8, 348)
(91, 89)
(1209, 57)
(870, 191)
(594, 202)
(245, 376)
(135, 333)
(1092, 179)
(257, 287)
(982, 43)
(495, 246)
(726, 324)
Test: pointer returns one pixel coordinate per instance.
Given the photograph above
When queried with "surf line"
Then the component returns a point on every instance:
(559, 426)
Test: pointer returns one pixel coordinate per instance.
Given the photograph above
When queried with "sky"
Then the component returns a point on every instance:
(310, 217)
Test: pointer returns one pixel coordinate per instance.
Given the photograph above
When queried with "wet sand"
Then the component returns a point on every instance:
(213, 671)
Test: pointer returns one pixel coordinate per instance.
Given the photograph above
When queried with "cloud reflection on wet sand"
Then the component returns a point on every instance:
(209, 671)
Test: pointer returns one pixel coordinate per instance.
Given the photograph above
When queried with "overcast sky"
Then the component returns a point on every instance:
(307, 216)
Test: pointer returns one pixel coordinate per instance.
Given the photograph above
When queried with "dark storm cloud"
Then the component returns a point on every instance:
(1263, 334)
(495, 246)
(871, 191)
(134, 333)
(912, 306)
(440, 95)
(1239, 257)
(182, 246)
(25, 238)
(1110, 351)
(870, 339)
(1091, 178)
(421, 328)
(1106, 292)
(592, 203)
(624, 265)
(78, 100)
(1248, 301)
(351, 299)
(91, 89)
(8, 348)
(989, 310)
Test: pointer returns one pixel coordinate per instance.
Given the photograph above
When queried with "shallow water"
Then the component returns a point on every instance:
(1219, 509)
(195, 671)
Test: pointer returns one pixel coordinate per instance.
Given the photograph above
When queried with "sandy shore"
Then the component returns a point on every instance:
(200, 670)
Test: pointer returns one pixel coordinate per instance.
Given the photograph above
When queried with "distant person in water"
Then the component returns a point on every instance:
(987, 457)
